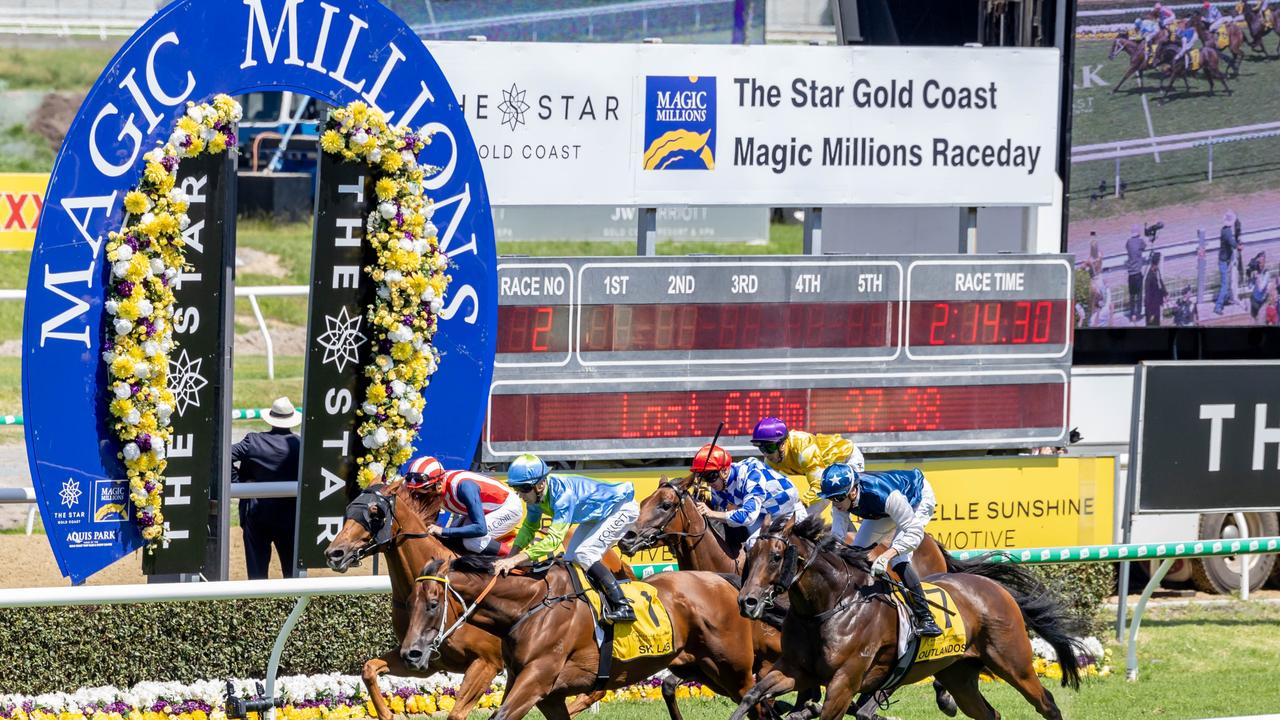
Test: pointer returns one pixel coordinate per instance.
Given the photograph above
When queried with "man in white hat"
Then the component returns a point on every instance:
(270, 456)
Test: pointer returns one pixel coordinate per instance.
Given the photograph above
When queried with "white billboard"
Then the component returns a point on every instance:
(646, 125)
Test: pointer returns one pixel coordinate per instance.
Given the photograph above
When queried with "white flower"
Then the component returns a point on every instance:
(151, 348)
(177, 139)
(171, 273)
(124, 252)
(207, 134)
(236, 112)
(196, 112)
(122, 390)
(407, 157)
(157, 447)
(369, 409)
(164, 410)
(108, 357)
(133, 418)
(111, 306)
(384, 292)
(375, 155)
(429, 229)
(123, 327)
(147, 217)
(421, 246)
(397, 388)
(429, 294)
(177, 195)
(184, 222)
(412, 415)
(436, 305)
(376, 468)
(360, 137)
(142, 370)
(145, 308)
(388, 209)
(406, 244)
(157, 267)
(391, 277)
(154, 155)
(119, 268)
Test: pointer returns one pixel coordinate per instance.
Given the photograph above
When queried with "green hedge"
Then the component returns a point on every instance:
(1083, 587)
(65, 648)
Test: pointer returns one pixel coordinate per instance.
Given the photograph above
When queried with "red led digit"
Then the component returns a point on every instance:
(1044, 321)
(1021, 321)
(970, 323)
(542, 325)
(990, 323)
(937, 329)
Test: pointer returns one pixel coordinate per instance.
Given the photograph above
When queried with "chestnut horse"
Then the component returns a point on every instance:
(842, 632)
(1180, 68)
(393, 519)
(1139, 57)
(1234, 44)
(549, 640)
(668, 517)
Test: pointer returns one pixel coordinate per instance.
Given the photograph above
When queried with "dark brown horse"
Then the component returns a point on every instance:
(1181, 67)
(1139, 56)
(549, 635)
(842, 632)
(1231, 41)
(393, 520)
(668, 517)
(1259, 25)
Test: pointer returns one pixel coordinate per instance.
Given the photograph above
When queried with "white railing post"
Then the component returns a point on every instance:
(266, 337)
(1242, 527)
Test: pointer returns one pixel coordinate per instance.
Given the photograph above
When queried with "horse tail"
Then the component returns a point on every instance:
(1042, 611)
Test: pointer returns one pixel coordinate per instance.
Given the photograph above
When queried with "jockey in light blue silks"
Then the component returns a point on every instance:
(893, 503)
(603, 512)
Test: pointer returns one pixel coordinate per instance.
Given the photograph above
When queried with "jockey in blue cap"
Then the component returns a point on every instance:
(603, 512)
(897, 503)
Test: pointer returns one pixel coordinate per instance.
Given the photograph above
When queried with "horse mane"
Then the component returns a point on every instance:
(474, 564)
(424, 505)
(851, 554)
(432, 567)
(811, 528)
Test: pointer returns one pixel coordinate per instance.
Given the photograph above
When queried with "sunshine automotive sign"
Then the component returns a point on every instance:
(679, 124)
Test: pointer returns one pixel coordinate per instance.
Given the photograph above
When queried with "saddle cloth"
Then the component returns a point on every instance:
(953, 639)
(1195, 59)
(650, 635)
(1224, 38)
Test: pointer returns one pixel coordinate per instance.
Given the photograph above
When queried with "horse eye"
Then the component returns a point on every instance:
(775, 557)
(435, 603)
(664, 505)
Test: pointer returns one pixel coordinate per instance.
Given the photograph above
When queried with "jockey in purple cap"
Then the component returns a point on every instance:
(794, 452)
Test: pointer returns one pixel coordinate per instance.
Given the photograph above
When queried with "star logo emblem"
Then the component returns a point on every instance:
(70, 493)
(513, 107)
(185, 382)
(341, 339)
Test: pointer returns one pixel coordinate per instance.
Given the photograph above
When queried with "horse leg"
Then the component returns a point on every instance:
(946, 703)
(777, 682)
(525, 690)
(962, 680)
(669, 685)
(584, 702)
(1013, 664)
(475, 681)
(380, 666)
(553, 708)
(841, 689)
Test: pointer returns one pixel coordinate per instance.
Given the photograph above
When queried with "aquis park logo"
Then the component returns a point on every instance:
(679, 123)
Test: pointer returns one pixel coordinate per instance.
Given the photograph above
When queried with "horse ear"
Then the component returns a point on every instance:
(789, 525)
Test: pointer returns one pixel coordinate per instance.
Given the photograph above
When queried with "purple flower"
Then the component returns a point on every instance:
(134, 388)
(169, 162)
(124, 288)
(380, 417)
(132, 242)
(143, 442)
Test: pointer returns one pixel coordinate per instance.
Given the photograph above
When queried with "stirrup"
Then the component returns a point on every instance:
(927, 628)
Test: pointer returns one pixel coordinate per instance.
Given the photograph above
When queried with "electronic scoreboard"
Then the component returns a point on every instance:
(644, 357)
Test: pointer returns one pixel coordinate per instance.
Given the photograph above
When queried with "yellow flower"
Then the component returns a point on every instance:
(136, 203)
(331, 141)
(385, 188)
(155, 173)
(218, 143)
(391, 161)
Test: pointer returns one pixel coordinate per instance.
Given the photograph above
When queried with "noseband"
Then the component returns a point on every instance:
(789, 574)
(654, 537)
(360, 510)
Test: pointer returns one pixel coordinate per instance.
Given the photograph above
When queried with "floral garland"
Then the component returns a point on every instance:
(146, 255)
(409, 273)
(315, 697)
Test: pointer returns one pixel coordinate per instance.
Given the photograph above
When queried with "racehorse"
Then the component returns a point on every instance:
(393, 519)
(1139, 58)
(1234, 39)
(842, 632)
(669, 517)
(1259, 26)
(1180, 67)
(549, 636)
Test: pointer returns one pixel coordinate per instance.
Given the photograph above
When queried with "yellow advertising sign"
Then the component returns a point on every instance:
(992, 503)
(21, 199)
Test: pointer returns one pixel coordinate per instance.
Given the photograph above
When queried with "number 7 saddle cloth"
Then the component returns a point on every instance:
(650, 635)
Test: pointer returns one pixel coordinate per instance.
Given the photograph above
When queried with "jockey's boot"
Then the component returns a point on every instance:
(493, 548)
(922, 619)
(615, 606)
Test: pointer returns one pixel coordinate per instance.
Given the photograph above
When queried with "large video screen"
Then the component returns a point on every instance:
(1175, 164)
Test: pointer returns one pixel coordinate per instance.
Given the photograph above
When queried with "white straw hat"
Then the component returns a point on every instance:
(282, 414)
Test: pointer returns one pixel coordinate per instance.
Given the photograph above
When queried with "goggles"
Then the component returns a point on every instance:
(839, 498)
(708, 477)
(767, 447)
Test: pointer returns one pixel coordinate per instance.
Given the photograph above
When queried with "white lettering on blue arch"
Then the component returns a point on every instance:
(338, 51)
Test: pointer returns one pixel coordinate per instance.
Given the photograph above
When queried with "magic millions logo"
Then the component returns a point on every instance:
(679, 123)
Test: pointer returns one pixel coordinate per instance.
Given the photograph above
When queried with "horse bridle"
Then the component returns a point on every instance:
(360, 511)
(789, 575)
(656, 538)
(442, 633)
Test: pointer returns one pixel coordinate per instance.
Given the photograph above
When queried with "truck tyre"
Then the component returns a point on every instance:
(1221, 575)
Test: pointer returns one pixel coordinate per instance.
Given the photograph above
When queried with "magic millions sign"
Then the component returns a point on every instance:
(338, 51)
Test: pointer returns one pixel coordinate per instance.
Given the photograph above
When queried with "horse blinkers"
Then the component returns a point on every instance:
(787, 575)
(361, 511)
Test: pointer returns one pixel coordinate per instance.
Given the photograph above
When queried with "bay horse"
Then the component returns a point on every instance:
(1234, 40)
(1139, 59)
(393, 519)
(549, 641)
(842, 632)
(1180, 68)
(1259, 26)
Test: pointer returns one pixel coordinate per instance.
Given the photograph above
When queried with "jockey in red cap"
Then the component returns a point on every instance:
(482, 509)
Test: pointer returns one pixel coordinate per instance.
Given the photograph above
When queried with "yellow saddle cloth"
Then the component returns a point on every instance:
(953, 639)
(651, 634)
(1195, 59)
(1224, 38)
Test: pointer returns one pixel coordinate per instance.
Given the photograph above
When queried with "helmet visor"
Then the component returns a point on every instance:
(767, 447)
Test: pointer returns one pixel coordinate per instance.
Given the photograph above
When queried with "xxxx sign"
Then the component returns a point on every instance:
(21, 198)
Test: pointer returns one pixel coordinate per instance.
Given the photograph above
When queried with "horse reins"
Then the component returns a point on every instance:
(442, 633)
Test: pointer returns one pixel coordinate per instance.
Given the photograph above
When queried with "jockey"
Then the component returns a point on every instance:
(603, 511)
(1212, 15)
(1146, 28)
(481, 508)
(744, 494)
(1164, 16)
(1186, 38)
(898, 502)
(800, 453)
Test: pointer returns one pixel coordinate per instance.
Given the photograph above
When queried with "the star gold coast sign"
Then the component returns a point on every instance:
(338, 51)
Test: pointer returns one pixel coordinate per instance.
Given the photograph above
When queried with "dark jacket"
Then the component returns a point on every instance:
(1154, 293)
(1227, 238)
(267, 457)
